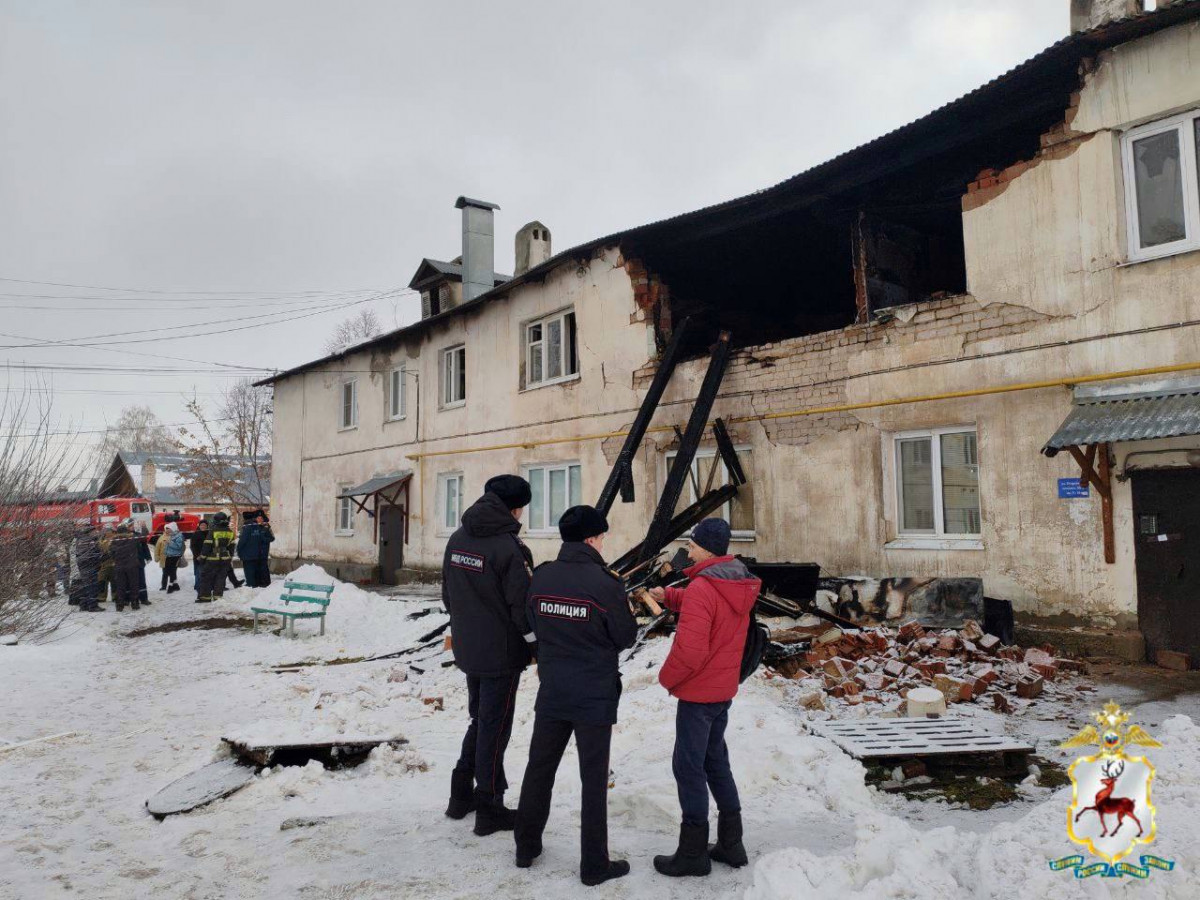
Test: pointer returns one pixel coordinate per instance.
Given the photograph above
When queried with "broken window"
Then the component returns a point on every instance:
(454, 376)
(450, 489)
(348, 408)
(555, 488)
(937, 483)
(1162, 196)
(550, 350)
(738, 512)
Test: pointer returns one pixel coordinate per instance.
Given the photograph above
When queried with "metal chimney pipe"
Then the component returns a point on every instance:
(478, 246)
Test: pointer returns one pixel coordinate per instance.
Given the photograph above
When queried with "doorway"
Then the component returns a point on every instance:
(1166, 525)
(391, 542)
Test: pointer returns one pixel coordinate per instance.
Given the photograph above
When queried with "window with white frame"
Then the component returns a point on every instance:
(937, 483)
(1162, 186)
(556, 487)
(454, 376)
(709, 473)
(397, 399)
(550, 350)
(345, 513)
(348, 407)
(450, 494)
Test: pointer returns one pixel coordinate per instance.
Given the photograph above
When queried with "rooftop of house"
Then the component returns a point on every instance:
(918, 172)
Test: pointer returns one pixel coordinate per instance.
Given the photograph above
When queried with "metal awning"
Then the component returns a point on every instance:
(375, 485)
(387, 487)
(1128, 417)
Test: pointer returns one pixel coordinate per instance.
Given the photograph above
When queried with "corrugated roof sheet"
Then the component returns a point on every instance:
(1128, 417)
(372, 485)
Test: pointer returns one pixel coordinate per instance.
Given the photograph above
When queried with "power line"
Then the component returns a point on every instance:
(132, 370)
(129, 290)
(91, 342)
(101, 304)
(110, 428)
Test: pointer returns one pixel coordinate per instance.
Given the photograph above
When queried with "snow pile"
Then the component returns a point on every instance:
(357, 621)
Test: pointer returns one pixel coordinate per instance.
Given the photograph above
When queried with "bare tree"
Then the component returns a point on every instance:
(137, 429)
(36, 520)
(229, 454)
(358, 328)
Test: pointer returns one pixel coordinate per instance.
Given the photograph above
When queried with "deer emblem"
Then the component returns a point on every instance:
(1106, 804)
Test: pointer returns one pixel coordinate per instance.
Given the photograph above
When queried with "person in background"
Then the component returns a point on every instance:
(144, 556)
(105, 569)
(167, 553)
(215, 559)
(126, 565)
(196, 545)
(702, 671)
(84, 566)
(485, 576)
(582, 620)
(254, 548)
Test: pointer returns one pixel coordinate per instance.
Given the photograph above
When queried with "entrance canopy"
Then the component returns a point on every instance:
(1102, 416)
(389, 488)
(1143, 416)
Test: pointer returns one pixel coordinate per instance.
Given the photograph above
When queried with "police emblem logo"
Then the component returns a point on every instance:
(1111, 812)
(472, 562)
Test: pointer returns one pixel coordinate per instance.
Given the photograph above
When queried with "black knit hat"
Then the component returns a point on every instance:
(580, 523)
(512, 489)
(713, 536)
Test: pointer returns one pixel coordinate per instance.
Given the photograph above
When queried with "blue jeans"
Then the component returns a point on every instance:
(701, 760)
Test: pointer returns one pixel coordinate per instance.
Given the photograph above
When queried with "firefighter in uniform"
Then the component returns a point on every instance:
(582, 620)
(485, 578)
(126, 565)
(215, 559)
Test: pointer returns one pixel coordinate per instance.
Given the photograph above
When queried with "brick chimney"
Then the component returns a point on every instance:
(149, 478)
(1086, 14)
(532, 246)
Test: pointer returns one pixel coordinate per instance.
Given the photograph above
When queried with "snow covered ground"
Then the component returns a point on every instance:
(148, 710)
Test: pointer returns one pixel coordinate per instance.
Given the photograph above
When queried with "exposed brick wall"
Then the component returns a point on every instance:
(809, 372)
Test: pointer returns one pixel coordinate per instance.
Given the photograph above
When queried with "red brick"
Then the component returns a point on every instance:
(1050, 673)
(1169, 659)
(1028, 688)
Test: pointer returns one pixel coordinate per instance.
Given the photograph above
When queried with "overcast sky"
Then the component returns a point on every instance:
(266, 148)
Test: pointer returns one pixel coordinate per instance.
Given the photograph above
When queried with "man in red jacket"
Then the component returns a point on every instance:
(702, 672)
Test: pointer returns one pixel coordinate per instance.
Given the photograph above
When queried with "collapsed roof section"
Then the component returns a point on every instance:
(877, 226)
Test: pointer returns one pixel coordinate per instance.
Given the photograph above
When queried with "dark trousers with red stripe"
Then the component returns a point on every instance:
(491, 702)
(550, 737)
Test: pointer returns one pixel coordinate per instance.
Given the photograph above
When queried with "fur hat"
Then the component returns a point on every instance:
(512, 489)
(581, 522)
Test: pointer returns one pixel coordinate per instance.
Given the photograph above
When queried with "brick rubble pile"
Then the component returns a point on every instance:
(880, 665)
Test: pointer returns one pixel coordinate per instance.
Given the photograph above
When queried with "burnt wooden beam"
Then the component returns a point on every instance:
(682, 465)
(621, 477)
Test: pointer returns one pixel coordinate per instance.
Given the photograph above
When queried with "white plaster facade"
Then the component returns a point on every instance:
(1052, 298)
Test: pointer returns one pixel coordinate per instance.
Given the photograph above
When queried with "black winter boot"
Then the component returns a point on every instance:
(692, 856)
(526, 855)
(617, 868)
(462, 794)
(491, 815)
(729, 848)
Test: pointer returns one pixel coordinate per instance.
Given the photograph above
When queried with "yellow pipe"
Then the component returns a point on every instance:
(845, 407)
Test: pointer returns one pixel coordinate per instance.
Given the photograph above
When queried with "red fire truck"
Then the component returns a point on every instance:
(108, 512)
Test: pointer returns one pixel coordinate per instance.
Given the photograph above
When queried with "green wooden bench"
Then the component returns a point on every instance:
(298, 592)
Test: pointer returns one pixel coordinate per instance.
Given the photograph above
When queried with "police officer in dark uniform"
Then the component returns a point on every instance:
(582, 620)
(485, 580)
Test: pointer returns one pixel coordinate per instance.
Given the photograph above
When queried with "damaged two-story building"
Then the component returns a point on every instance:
(970, 347)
